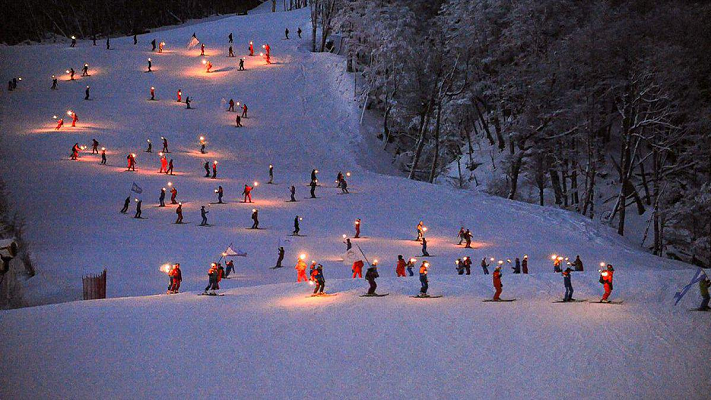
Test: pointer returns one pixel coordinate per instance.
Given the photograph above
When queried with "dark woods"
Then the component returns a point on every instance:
(600, 107)
(36, 20)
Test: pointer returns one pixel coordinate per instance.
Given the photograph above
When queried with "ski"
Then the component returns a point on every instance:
(498, 301)
(209, 294)
(571, 301)
(323, 295)
(374, 295)
(427, 297)
(698, 309)
(609, 302)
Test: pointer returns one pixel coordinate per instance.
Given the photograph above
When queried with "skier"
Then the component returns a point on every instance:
(298, 32)
(230, 268)
(212, 274)
(54, 82)
(578, 264)
(370, 275)
(160, 47)
(320, 280)
(357, 269)
(424, 282)
(173, 195)
(187, 102)
(75, 118)
(229, 38)
(517, 266)
(606, 281)
(312, 271)
(207, 169)
(75, 151)
(202, 49)
(247, 192)
(103, 156)
(241, 64)
(150, 65)
(161, 198)
(214, 170)
(220, 193)
(163, 165)
(232, 106)
(135, 39)
(180, 95)
(293, 193)
(461, 235)
(202, 145)
(203, 214)
(459, 266)
(85, 70)
(420, 231)
(286, 33)
(131, 162)
(568, 285)
(179, 212)
(94, 146)
(344, 187)
(296, 226)
(467, 265)
(313, 188)
(230, 52)
(485, 266)
(251, 49)
(339, 178)
(138, 208)
(468, 239)
(400, 266)
(424, 248)
(165, 144)
(153, 43)
(280, 258)
(74, 42)
(208, 67)
(244, 111)
(357, 228)
(176, 276)
(255, 219)
(60, 122)
(348, 244)
(497, 283)
(704, 290)
(108, 44)
(126, 202)
(71, 74)
(313, 175)
(238, 121)
(524, 264)
(410, 265)
(169, 171)
(271, 174)
(301, 269)
(150, 146)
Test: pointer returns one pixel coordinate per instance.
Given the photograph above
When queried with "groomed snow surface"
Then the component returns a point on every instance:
(265, 338)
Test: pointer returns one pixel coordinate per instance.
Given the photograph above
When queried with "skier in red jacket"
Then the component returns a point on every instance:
(75, 118)
(606, 280)
(163, 165)
(244, 110)
(180, 96)
(357, 228)
(497, 283)
(247, 192)
(301, 269)
(131, 159)
(202, 49)
(60, 122)
(176, 276)
(357, 269)
(400, 268)
(251, 49)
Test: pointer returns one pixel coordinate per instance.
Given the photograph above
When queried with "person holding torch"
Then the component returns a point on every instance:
(606, 281)
(424, 281)
(301, 269)
(247, 192)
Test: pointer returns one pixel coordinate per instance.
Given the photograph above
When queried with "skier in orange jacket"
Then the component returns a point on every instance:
(497, 283)
(301, 270)
(357, 228)
(606, 280)
(400, 268)
(163, 165)
(357, 269)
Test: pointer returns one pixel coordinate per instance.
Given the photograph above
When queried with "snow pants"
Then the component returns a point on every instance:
(568, 293)
(400, 271)
(486, 270)
(175, 286)
(425, 285)
(373, 286)
(409, 271)
(319, 286)
(301, 276)
(498, 293)
(357, 272)
(608, 291)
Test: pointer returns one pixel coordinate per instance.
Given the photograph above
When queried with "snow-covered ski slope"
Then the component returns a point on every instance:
(264, 338)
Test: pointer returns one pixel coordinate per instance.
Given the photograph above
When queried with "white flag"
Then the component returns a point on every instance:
(350, 257)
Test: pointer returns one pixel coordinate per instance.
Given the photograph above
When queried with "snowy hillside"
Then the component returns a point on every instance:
(301, 117)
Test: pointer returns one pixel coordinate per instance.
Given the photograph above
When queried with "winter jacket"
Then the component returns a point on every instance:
(371, 274)
(497, 279)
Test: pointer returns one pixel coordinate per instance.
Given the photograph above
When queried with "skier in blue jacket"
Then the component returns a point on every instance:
(320, 280)
(568, 285)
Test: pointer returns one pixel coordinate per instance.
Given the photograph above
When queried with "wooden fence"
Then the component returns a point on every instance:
(94, 286)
